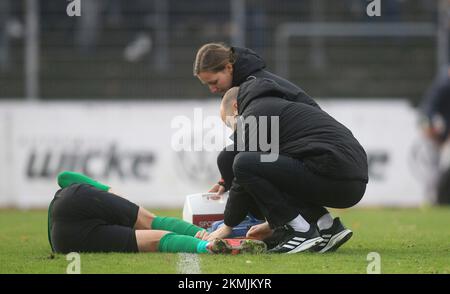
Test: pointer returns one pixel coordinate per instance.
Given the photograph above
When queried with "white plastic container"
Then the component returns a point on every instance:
(203, 209)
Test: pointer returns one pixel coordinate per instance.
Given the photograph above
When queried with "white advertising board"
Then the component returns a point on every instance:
(130, 146)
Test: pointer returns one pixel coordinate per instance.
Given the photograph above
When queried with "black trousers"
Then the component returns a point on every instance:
(83, 218)
(285, 188)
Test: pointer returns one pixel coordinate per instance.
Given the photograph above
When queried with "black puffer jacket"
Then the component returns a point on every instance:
(249, 65)
(326, 146)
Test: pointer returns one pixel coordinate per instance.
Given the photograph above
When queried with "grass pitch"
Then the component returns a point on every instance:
(407, 240)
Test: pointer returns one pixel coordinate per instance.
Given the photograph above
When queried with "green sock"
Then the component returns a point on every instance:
(180, 243)
(175, 225)
(67, 178)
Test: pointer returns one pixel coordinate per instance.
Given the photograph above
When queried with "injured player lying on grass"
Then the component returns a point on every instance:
(85, 216)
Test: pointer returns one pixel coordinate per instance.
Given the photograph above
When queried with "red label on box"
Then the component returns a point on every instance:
(205, 220)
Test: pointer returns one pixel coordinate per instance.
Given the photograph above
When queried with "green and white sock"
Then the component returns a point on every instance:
(175, 225)
(175, 243)
(67, 178)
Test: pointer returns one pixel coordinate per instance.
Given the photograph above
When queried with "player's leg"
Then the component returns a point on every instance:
(163, 241)
(80, 224)
(67, 178)
(148, 221)
(144, 219)
(111, 207)
(120, 211)
(148, 240)
(94, 235)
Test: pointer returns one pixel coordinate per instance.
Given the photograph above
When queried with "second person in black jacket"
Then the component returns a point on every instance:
(318, 163)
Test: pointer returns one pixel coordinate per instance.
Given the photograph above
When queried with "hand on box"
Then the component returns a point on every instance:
(219, 189)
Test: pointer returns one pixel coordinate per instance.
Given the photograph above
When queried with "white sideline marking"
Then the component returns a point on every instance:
(188, 263)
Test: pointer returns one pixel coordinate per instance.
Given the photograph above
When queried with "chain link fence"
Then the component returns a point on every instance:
(144, 49)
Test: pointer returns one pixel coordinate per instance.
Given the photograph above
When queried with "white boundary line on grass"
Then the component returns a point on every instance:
(188, 263)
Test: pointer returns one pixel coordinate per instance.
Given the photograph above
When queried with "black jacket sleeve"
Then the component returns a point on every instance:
(238, 205)
(225, 161)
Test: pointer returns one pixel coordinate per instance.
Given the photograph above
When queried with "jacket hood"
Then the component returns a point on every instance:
(246, 63)
(260, 88)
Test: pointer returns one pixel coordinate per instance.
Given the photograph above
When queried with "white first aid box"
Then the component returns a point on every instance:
(203, 209)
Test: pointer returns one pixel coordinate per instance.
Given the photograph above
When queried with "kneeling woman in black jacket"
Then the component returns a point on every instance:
(220, 68)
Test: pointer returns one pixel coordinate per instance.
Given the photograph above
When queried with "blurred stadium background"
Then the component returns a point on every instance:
(98, 92)
(118, 50)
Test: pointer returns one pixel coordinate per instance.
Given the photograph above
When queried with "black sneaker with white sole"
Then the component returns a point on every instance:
(292, 241)
(334, 237)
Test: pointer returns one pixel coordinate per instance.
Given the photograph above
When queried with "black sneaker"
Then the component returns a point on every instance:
(276, 237)
(333, 237)
(292, 241)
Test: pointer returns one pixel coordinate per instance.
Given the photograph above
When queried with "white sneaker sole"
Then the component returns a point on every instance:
(306, 245)
(339, 239)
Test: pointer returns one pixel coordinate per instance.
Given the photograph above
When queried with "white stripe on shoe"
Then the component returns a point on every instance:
(306, 245)
(294, 243)
(289, 246)
(335, 240)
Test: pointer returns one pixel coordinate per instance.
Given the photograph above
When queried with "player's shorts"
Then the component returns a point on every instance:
(83, 218)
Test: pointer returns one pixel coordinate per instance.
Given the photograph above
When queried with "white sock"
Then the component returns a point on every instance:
(299, 224)
(325, 222)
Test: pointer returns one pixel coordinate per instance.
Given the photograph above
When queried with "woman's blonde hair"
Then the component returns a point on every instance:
(212, 57)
